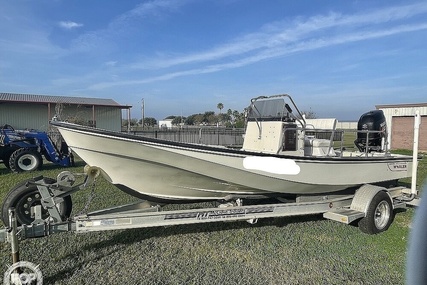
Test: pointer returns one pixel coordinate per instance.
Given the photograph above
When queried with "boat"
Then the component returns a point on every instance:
(283, 154)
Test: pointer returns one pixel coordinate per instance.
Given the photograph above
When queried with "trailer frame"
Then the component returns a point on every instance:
(345, 208)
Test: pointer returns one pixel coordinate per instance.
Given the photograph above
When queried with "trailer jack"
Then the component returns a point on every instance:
(20, 272)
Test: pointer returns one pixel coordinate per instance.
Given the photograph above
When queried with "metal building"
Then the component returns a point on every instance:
(400, 124)
(28, 111)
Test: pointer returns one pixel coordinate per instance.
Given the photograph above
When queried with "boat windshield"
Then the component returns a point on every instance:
(271, 109)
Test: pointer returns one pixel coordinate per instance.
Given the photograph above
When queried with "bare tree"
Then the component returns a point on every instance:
(310, 114)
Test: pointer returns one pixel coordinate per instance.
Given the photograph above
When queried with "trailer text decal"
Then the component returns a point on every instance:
(219, 214)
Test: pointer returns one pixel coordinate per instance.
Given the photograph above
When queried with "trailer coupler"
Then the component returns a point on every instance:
(14, 233)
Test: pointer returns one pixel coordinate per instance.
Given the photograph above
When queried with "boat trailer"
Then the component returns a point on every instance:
(372, 206)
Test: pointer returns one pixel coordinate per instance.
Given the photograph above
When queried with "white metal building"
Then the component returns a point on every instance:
(166, 123)
(27, 111)
(400, 125)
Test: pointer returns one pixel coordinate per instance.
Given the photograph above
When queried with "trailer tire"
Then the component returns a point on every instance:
(379, 215)
(24, 196)
(25, 159)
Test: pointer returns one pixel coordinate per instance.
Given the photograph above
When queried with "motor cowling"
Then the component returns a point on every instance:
(371, 129)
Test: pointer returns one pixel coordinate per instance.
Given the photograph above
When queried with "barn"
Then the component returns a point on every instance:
(28, 111)
(400, 124)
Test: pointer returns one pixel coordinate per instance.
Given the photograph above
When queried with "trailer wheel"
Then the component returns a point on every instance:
(24, 196)
(379, 215)
(25, 159)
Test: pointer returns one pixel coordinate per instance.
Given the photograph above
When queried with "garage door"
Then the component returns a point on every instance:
(402, 133)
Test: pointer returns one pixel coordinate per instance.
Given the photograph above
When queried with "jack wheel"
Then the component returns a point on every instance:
(24, 196)
(23, 272)
(379, 216)
(25, 159)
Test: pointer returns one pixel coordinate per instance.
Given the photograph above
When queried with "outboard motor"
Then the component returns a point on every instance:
(372, 128)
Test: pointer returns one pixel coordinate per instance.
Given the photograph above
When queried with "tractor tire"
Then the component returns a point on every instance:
(6, 161)
(25, 159)
(24, 196)
(6, 156)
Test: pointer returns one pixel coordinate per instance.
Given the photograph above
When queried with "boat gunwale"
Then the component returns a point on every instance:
(224, 150)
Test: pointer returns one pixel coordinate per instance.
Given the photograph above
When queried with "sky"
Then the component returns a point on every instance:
(335, 58)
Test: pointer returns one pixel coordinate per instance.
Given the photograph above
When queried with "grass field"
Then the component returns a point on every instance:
(296, 250)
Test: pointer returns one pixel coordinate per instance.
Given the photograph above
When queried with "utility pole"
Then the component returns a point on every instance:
(128, 113)
(143, 112)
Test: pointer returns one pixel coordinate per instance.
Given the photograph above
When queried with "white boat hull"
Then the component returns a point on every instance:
(176, 171)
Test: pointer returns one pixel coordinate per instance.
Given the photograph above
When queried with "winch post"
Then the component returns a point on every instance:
(13, 238)
(417, 123)
(49, 202)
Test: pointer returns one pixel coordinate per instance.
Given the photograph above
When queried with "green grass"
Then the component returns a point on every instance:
(295, 250)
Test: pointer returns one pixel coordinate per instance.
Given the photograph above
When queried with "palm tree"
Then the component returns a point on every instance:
(220, 106)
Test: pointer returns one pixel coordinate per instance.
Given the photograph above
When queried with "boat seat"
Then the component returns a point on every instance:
(320, 147)
(321, 124)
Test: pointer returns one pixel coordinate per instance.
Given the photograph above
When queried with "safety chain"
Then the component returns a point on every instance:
(89, 199)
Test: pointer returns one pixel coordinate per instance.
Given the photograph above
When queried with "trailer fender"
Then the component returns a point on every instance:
(364, 195)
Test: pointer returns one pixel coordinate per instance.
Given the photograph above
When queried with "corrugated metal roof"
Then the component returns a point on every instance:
(408, 105)
(31, 98)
